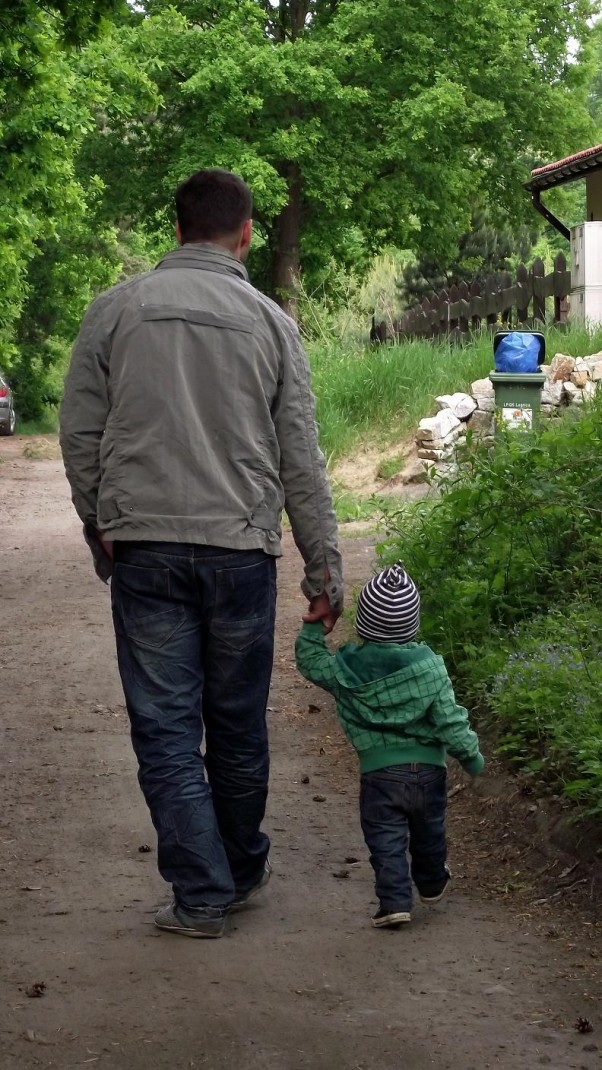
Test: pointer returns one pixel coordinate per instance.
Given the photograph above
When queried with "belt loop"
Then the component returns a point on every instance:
(414, 767)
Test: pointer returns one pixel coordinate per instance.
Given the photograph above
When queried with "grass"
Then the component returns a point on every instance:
(367, 394)
(391, 466)
(47, 424)
(349, 507)
(385, 391)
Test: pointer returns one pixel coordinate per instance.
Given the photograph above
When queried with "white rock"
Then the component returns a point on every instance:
(460, 404)
(485, 404)
(482, 388)
(561, 367)
(589, 390)
(437, 443)
(434, 455)
(481, 423)
(579, 377)
(552, 392)
(438, 426)
(595, 368)
(570, 391)
(442, 443)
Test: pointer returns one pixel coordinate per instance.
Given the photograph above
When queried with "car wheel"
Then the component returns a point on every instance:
(9, 428)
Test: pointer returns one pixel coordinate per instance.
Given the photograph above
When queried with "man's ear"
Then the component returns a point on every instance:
(245, 239)
(179, 234)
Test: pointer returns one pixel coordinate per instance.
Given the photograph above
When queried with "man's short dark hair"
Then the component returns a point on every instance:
(212, 204)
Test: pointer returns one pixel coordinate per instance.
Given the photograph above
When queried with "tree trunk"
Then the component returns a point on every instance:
(285, 255)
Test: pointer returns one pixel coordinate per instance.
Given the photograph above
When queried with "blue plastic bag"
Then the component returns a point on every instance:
(518, 352)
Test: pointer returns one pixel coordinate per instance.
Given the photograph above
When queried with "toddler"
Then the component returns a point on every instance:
(397, 706)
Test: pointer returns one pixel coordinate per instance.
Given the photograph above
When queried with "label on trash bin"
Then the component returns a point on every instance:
(518, 416)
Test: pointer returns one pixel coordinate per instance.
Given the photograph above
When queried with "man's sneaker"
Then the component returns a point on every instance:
(386, 919)
(174, 920)
(435, 893)
(242, 900)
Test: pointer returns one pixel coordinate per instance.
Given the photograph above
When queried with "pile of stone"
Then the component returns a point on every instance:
(438, 436)
(570, 381)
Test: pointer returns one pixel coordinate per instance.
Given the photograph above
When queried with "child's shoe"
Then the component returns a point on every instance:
(390, 919)
(434, 893)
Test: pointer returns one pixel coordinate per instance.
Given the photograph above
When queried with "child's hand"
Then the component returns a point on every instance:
(320, 609)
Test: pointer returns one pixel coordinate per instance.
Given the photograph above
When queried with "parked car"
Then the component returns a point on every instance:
(8, 417)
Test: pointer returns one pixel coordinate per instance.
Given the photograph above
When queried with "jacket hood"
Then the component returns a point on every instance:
(375, 674)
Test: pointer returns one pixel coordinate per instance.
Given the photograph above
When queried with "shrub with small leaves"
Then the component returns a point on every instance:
(508, 560)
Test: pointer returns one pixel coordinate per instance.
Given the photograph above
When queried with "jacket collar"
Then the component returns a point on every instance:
(207, 257)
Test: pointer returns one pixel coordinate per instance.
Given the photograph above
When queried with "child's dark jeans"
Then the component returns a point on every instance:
(402, 809)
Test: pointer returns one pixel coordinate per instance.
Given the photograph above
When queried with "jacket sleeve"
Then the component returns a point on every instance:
(308, 497)
(84, 411)
(453, 729)
(314, 660)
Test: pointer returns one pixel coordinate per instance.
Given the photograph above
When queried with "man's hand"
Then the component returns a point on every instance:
(320, 609)
(107, 544)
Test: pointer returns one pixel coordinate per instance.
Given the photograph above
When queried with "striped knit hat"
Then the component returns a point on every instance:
(388, 608)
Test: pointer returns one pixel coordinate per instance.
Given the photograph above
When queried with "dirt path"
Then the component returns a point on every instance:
(301, 981)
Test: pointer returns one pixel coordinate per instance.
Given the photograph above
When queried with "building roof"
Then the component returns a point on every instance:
(567, 170)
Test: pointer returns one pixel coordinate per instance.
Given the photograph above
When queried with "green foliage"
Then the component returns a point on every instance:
(594, 97)
(338, 311)
(351, 507)
(508, 560)
(486, 250)
(390, 466)
(47, 424)
(74, 22)
(354, 126)
(53, 258)
(516, 530)
(547, 700)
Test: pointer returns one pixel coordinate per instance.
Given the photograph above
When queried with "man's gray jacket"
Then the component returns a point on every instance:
(188, 417)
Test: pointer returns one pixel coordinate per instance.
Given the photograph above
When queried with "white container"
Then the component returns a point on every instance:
(586, 306)
(586, 255)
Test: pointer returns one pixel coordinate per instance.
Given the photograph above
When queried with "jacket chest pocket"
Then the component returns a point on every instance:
(202, 317)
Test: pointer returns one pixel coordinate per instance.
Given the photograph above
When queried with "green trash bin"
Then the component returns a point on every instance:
(518, 395)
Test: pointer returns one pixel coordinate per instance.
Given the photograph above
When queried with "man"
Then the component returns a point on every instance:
(187, 425)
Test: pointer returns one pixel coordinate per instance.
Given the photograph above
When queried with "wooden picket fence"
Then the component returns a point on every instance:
(462, 310)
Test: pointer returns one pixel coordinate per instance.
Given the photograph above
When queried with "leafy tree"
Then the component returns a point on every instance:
(356, 122)
(594, 97)
(51, 259)
(483, 251)
(74, 21)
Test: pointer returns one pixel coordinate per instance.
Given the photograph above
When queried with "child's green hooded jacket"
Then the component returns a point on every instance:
(396, 703)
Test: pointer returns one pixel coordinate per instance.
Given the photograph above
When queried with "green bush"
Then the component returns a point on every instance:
(517, 530)
(547, 701)
(512, 541)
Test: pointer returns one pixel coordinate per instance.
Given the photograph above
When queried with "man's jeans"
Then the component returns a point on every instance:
(402, 808)
(195, 638)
